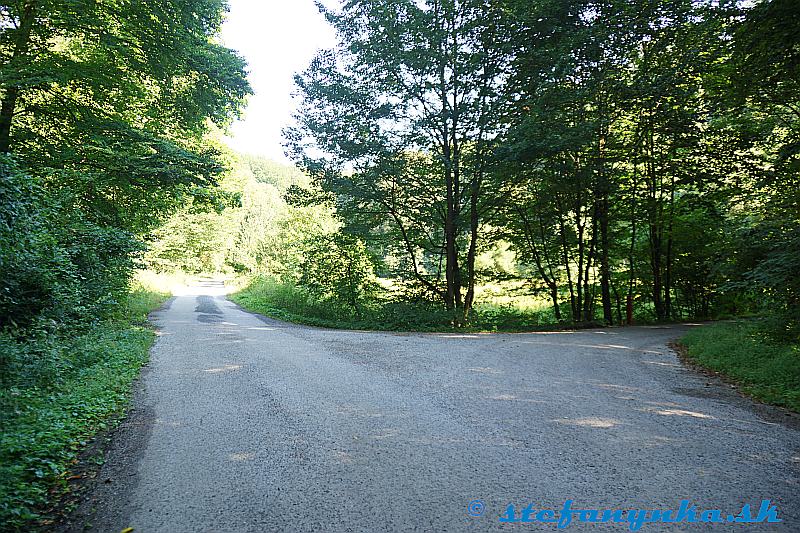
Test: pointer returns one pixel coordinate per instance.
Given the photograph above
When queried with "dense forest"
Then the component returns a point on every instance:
(483, 164)
(517, 164)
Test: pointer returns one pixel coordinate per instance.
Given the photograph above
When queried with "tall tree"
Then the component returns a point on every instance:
(397, 123)
(115, 98)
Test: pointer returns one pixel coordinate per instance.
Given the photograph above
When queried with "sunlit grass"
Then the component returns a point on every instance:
(158, 282)
(514, 294)
(285, 300)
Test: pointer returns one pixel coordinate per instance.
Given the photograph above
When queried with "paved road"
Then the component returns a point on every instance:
(249, 424)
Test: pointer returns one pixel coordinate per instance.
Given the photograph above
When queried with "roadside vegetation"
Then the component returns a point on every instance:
(748, 353)
(60, 387)
(281, 299)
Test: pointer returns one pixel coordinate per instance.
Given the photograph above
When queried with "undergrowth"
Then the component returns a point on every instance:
(59, 387)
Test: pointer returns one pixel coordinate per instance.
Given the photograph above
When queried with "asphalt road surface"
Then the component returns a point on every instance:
(242, 423)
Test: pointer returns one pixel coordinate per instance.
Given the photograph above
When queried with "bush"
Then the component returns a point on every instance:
(337, 268)
(58, 266)
(59, 389)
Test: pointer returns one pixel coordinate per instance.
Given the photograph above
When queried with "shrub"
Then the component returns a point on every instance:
(58, 266)
(337, 268)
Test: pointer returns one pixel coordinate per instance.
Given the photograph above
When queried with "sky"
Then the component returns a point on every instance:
(277, 38)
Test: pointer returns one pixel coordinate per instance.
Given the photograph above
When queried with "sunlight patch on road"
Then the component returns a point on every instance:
(168, 423)
(661, 363)
(342, 457)
(682, 412)
(225, 368)
(593, 346)
(354, 411)
(503, 397)
(485, 370)
(620, 388)
(664, 404)
(589, 422)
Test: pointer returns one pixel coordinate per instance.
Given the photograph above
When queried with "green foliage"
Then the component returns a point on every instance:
(639, 159)
(746, 352)
(58, 266)
(768, 266)
(190, 242)
(286, 300)
(113, 100)
(106, 110)
(260, 232)
(279, 175)
(58, 389)
(338, 268)
(396, 124)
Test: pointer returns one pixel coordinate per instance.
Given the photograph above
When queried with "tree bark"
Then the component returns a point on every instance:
(549, 280)
(473, 245)
(22, 41)
(605, 273)
(602, 212)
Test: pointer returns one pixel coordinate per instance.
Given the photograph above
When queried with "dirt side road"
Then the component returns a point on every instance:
(246, 424)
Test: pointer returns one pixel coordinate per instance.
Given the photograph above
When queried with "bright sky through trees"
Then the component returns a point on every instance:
(277, 38)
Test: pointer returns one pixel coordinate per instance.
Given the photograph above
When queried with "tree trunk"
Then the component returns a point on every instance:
(22, 41)
(554, 297)
(589, 294)
(451, 251)
(631, 272)
(602, 212)
(580, 284)
(668, 259)
(655, 266)
(567, 267)
(473, 245)
(549, 280)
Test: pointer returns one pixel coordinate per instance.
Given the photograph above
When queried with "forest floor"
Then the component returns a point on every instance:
(244, 423)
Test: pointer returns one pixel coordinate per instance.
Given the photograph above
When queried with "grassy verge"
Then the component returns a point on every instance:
(743, 351)
(62, 390)
(286, 301)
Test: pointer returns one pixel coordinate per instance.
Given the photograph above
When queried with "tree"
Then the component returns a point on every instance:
(112, 99)
(397, 123)
(567, 81)
(105, 111)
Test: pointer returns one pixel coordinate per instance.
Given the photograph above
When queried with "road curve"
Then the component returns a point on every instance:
(242, 423)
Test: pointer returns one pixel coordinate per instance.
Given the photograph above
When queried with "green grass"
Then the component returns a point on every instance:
(286, 301)
(745, 352)
(59, 391)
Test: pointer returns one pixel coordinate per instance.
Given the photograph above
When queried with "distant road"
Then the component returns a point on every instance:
(247, 424)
